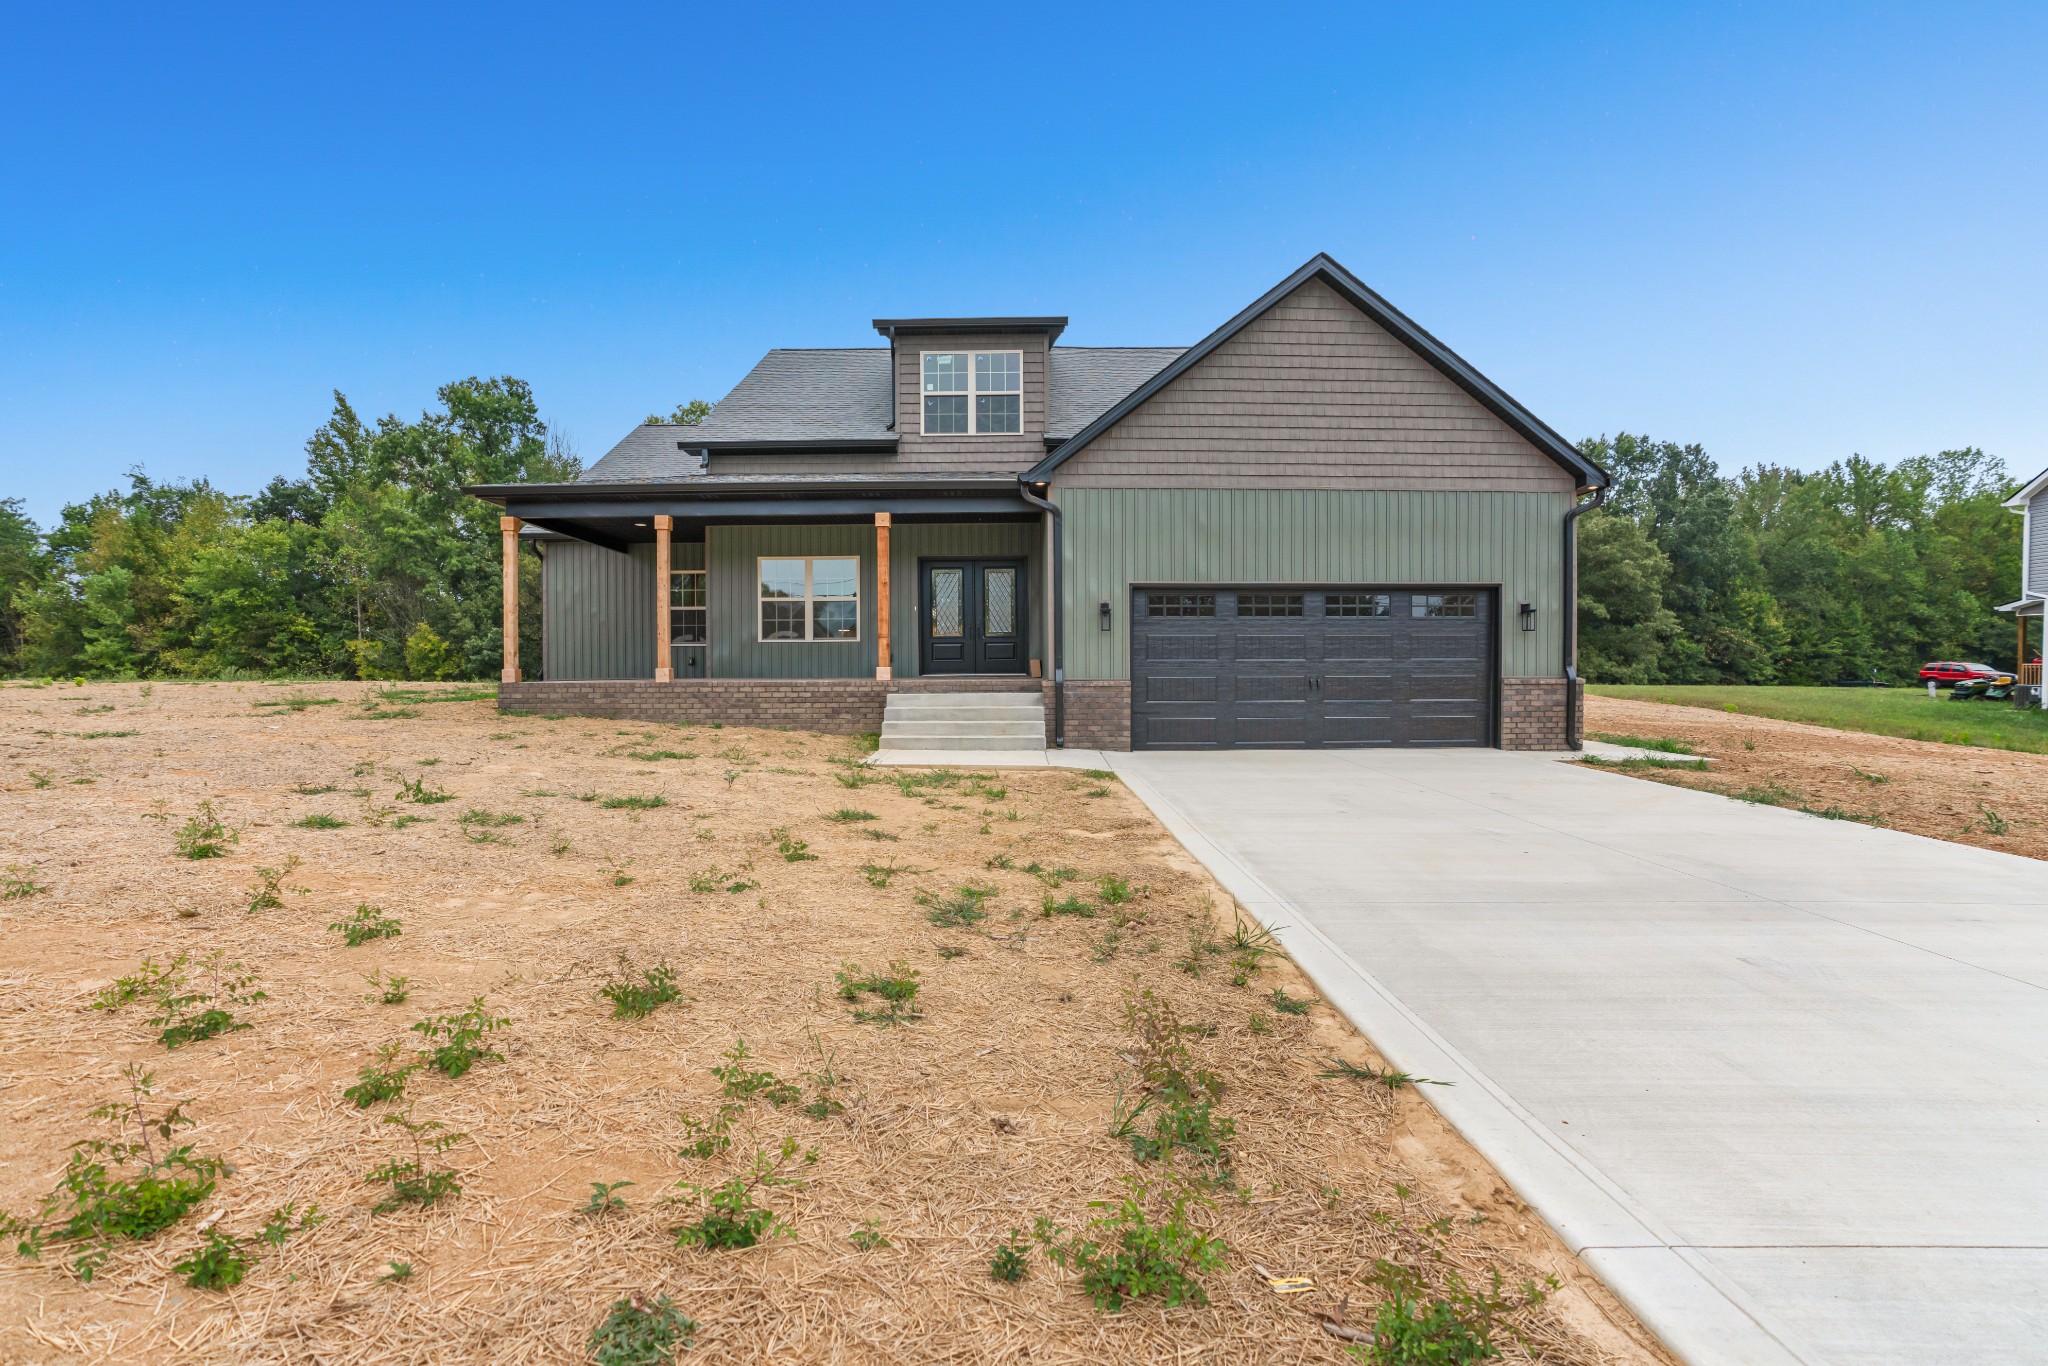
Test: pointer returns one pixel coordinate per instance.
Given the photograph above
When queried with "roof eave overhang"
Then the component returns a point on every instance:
(2018, 502)
(801, 446)
(504, 495)
(893, 328)
(1446, 361)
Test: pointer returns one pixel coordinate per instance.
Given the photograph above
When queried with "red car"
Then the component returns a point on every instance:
(1952, 673)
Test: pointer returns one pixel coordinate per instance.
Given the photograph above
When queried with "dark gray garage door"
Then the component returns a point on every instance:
(1238, 668)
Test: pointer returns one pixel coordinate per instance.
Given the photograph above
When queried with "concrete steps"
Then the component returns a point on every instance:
(963, 721)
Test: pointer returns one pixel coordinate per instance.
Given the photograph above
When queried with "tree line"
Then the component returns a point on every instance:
(374, 563)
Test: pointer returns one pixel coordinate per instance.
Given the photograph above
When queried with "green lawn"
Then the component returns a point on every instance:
(1906, 712)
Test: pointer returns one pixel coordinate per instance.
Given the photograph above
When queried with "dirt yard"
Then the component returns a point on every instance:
(1993, 797)
(520, 858)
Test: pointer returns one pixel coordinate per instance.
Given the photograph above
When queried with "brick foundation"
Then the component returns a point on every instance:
(1532, 713)
(1098, 713)
(837, 706)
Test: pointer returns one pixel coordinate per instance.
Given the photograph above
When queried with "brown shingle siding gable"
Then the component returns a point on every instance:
(1314, 394)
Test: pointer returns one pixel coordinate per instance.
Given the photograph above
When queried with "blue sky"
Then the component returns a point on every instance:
(1788, 232)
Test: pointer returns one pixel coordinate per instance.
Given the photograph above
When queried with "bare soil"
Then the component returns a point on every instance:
(1965, 793)
(991, 1109)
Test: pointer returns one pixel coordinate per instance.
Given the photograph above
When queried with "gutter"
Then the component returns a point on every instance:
(1571, 616)
(1059, 611)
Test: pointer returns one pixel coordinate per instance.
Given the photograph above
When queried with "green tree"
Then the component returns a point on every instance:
(1624, 627)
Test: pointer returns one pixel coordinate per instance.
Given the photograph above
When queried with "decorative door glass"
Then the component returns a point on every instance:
(948, 614)
(999, 602)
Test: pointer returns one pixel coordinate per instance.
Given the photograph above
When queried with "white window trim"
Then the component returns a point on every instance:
(673, 576)
(809, 599)
(971, 391)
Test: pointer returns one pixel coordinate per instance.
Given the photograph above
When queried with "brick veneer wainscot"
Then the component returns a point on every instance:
(1532, 713)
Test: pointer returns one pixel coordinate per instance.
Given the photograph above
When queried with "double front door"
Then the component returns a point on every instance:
(972, 618)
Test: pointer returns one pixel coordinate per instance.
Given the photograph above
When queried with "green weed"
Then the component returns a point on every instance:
(793, 850)
(1010, 1263)
(217, 1264)
(632, 803)
(636, 993)
(1661, 744)
(640, 1332)
(415, 1180)
(268, 894)
(742, 1083)
(961, 910)
(193, 1001)
(1291, 1005)
(728, 1216)
(420, 792)
(1391, 1079)
(388, 991)
(848, 813)
(18, 883)
(1457, 1327)
(381, 1080)
(1131, 1256)
(205, 835)
(1049, 906)
(605, 1197)
(366, 925)
(457, 1040)
(869, 1236)
(896, 989)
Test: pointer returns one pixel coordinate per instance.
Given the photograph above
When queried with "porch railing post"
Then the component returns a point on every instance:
(882, 595)
(664, 663)
(508, 528)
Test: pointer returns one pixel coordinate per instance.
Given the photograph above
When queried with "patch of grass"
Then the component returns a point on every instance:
(457, 1041)
(192, 1001)
(961, 909)
(896, 989)
(1051, 877)
(1873, 778)
(640, 1332)
(1662, 745)
(1291, 1005)
(1127, 1253)
(320, 820)
(129, 1187)
(1116, 891)
(299, 702)
(205, 835)
(366, 925)
(1994, 824)
(315, 789)
(1391, 1079)
(651, 756)
(1049, 906)
(1905, 712)
(1640, 762)
(632, 803)
(847, 814)
(493, 820)
(636, 993)
(881, 874)
(103, 734)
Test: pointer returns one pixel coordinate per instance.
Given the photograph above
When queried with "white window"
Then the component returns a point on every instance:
(986, 385)
(687, 614)
(816, 599)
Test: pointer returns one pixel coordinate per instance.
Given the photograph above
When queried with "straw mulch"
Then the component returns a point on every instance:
(990, 1110)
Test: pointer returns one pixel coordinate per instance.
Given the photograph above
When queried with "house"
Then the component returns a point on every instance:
(1317, 526)
(2031, 503)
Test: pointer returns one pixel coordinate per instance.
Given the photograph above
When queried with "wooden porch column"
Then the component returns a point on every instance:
(508, 528)
(664, 660)
(882, 595)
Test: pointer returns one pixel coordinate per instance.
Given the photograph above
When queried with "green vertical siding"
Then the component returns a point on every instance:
(735, 595)
(597, 609)
(1117, 537)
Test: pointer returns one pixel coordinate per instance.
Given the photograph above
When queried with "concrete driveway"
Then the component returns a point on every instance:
(1779, 1079)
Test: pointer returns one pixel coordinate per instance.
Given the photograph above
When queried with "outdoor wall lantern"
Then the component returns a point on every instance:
(1528, 616)
(1102, 615)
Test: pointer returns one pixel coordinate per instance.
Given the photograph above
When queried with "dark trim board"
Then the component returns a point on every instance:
(1313, 665)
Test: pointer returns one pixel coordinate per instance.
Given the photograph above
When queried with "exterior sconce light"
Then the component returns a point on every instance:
(1528, 615)
(1102, 615)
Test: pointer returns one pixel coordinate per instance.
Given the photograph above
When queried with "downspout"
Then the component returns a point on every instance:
(1059, 613)
(1571, 616)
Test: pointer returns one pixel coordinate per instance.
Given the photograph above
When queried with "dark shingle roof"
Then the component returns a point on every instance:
(839, 396)
(1085, 380)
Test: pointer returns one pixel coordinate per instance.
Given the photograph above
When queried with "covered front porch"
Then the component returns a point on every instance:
(780, 580)
(2028, 668)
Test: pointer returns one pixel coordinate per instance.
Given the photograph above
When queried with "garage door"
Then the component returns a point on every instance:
(1217, 667)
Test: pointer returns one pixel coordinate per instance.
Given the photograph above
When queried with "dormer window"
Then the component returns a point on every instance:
(989, 385)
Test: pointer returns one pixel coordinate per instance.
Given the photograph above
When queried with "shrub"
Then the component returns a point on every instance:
(190, 1005)
(205, 835)
(126, 1187)
(635, 993)
(640, 1332)
(1137, 1258)
(366, 925)
(457, 1039)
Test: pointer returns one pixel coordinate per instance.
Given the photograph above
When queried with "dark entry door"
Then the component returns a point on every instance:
(1219, 667)
(971, 617)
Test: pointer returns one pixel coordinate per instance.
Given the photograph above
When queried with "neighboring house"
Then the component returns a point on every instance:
(1315, 527)
(2031, 503)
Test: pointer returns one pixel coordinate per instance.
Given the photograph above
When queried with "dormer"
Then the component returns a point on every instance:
(970, 390)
